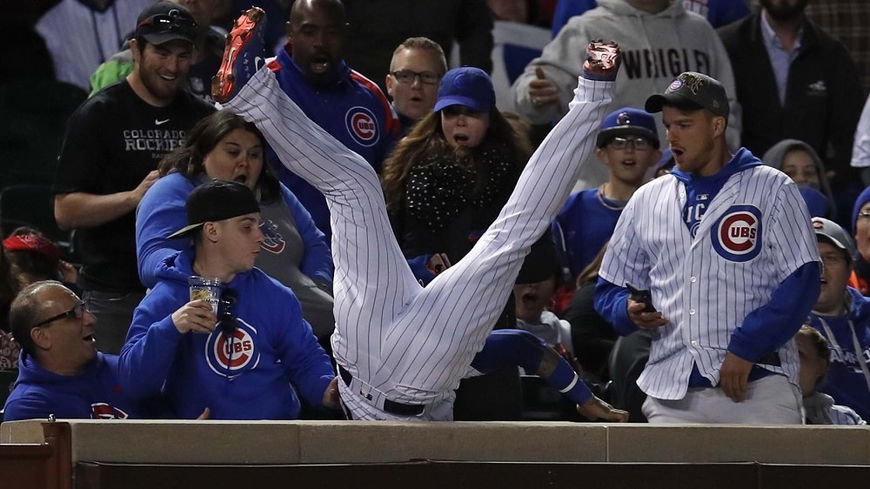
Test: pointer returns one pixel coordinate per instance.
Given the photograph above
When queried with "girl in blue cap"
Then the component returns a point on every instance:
(444, 185)
(447, 180)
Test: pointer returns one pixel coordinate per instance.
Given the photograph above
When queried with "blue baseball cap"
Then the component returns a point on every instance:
(466, 86)
(628, 121)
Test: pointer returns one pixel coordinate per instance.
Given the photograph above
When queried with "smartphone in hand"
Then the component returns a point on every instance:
(643, 296)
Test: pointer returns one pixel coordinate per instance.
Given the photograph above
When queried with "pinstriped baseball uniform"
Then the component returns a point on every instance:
(755, 233)
(398, 340)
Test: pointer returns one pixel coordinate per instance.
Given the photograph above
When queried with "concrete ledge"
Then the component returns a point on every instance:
(337, 442)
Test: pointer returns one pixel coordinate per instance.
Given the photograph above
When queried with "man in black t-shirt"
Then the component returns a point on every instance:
(109, 157)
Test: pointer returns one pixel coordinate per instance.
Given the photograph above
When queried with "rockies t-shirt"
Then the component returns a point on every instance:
(112, 141)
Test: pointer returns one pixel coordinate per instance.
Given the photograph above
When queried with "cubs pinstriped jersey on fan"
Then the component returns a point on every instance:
(754, 234)
(396, 341)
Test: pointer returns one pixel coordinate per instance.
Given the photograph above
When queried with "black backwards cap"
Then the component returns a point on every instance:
(214, 201)
(691, 90)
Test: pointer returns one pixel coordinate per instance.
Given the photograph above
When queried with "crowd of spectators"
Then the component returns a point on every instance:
(141, 185)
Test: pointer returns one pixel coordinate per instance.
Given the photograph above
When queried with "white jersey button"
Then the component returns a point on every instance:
(691, 312)
(693, 279)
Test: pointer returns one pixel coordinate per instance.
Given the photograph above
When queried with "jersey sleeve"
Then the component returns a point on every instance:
(625, 261)
(159, 214)
(792, 238)
(152, 343)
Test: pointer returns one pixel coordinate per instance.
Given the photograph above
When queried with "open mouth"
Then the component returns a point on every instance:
(628, 163)
(460, 138)
(320, 64)
(89, 338)
(241, 179)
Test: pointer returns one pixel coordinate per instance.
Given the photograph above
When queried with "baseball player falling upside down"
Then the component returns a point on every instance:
(401, 348)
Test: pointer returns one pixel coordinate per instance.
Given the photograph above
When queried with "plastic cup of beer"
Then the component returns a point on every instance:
(207, 289)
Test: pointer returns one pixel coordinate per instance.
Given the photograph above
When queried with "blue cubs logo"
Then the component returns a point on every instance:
(231, 354)
(362, 126)
(736, 236)
(675, 85)
(272, 239)
(101, 410)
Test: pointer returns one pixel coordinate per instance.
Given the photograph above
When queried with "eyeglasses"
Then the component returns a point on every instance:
(407, 76)
(77, 312)
(864, 215)
(172, 20)
(639, 143)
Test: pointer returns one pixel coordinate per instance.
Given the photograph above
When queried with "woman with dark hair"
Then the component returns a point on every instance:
(448, 179)
(444, 184)
(223, 146)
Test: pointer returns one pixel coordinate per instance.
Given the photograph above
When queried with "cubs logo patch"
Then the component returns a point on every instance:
(101, 410)
(362, 126)
(229, 355)
(272, 240)
(675, 85)
(736, 236)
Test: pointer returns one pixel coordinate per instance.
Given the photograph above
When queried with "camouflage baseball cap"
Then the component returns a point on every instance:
(692, 90)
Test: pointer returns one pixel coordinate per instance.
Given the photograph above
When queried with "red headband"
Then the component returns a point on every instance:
(32, 242)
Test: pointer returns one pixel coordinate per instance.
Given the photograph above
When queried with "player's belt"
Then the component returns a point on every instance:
(391, 407)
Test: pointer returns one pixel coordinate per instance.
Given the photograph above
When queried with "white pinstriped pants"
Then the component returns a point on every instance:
(399, 340)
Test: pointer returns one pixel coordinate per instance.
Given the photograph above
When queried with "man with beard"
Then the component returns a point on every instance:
(794, 81)
(206, 57)
(109, 158)
(344, 103)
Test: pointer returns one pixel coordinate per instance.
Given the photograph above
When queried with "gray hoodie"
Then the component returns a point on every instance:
(776, 154)
(656, 48)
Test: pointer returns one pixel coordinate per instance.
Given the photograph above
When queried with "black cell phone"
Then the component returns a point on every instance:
(641, 296)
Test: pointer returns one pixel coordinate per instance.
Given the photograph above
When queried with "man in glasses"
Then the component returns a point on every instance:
(109, 157)
(61, 371)
(725, 269)
(415, 72)
(842, 316)
(628, 144)
(350, 107)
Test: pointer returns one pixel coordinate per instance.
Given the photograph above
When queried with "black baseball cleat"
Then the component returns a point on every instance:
(242, 55)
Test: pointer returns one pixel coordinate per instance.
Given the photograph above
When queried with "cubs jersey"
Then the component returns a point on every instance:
(705, 278)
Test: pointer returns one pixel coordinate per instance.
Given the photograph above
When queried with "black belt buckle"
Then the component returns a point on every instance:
(391, 407)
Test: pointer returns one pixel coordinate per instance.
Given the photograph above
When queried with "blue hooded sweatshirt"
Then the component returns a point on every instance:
(93, 394)
(253, 373)
(845, 381)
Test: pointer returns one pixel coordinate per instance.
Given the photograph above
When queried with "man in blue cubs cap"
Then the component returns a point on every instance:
(628, 145)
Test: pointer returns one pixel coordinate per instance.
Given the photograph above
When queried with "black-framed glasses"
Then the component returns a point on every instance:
(863, 215)
(77, 312)
(637, 142)
(408, 76)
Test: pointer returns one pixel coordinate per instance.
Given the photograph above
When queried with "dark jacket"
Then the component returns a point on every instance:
(823, 94)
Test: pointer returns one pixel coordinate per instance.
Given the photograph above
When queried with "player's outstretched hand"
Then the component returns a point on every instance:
(195, 316)
(644, 320)
(734, 376)
(595, 408)
(602, 60)
(331, 398)
(205, 414)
